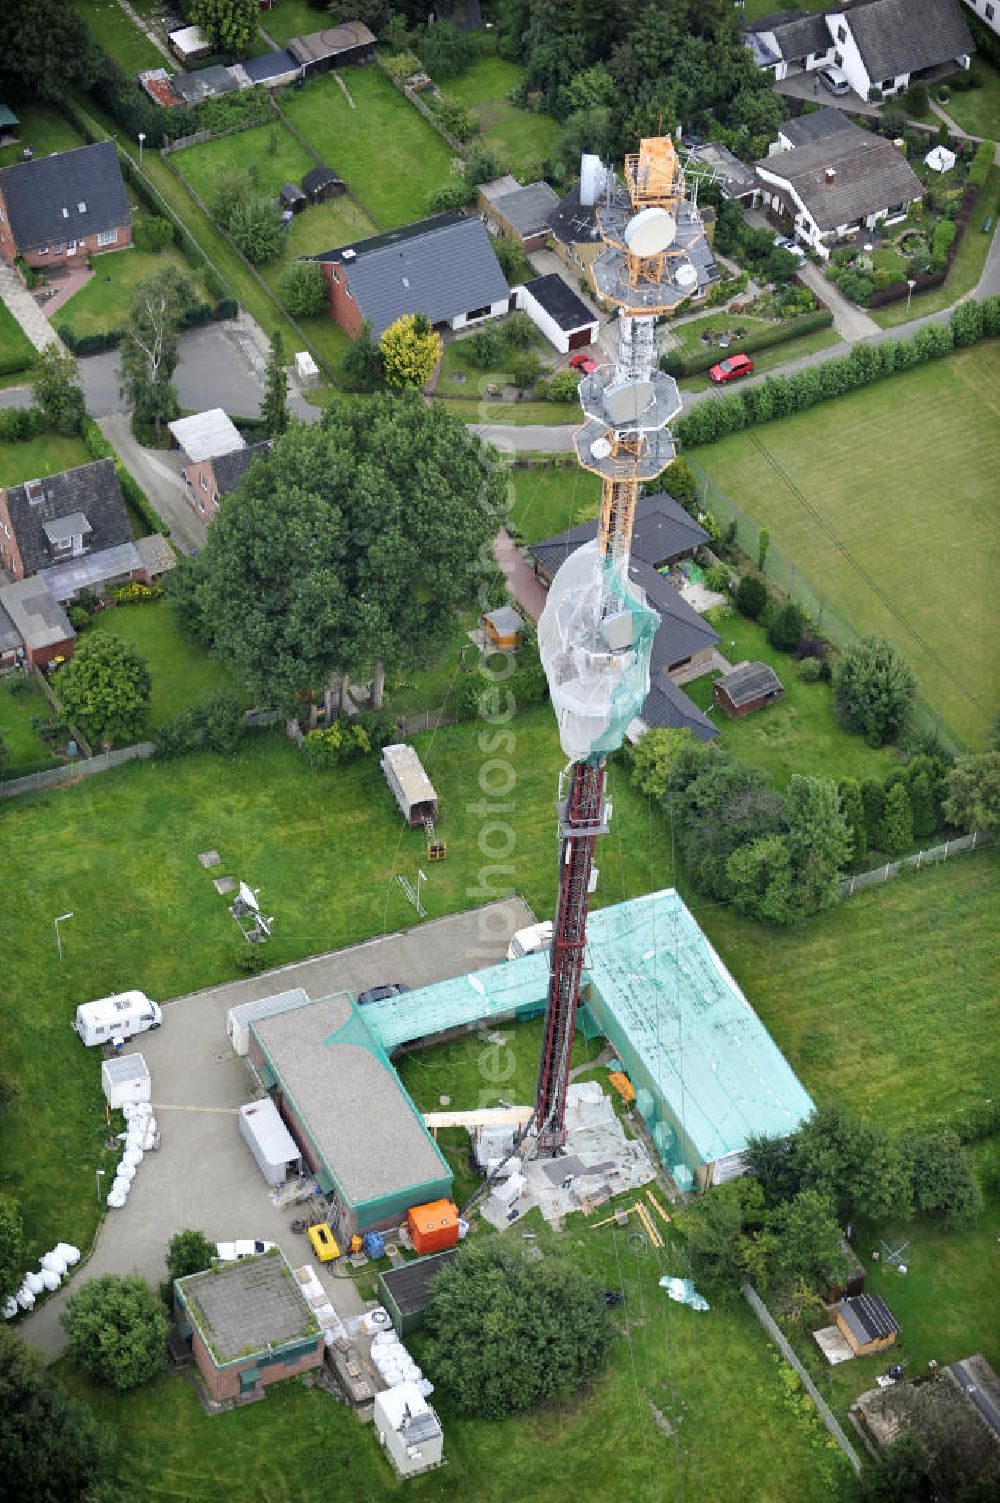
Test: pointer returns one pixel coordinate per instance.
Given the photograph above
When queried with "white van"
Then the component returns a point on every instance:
(528, 941)
(116, 1017)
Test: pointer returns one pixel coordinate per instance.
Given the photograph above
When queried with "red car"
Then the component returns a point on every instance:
(583, 364)
(731, 369)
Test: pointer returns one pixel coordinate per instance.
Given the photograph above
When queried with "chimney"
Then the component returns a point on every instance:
(831, 175)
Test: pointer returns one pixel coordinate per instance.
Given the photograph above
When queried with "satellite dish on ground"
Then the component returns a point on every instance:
(600, 448)
(650, 231)
(249, 897)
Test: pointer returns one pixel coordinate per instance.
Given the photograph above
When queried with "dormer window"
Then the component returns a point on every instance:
(82, 207)
(65, 212)
(68, 537)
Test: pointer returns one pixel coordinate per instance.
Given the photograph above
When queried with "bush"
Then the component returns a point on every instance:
(151, 232)
(979, 169)
(811, 670)
(78, 618)
(215, 723)
(873, 691)
(751, 596)
(525, 368)
(786, 627)
(19, 423)
(563, 386)
(302, 288)
(135, 593)
(718, 577)
(117, 1330)
(341, 741)
(189, 1252)
(944, 234)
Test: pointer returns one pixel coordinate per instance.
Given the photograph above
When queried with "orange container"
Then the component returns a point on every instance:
(434, 1226)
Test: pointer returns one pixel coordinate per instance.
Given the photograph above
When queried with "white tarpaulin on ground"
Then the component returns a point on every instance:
(684, 1292)
(940, 159)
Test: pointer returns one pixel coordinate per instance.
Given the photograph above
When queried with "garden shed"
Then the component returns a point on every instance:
(292, 198)
(268, 1139)
(867, 1323)
(503, 627)
(405, 1291)
(321, 183)
(124, 1079)
(750, 686)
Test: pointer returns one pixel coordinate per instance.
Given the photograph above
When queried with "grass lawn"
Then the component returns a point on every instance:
(181, 672)
(864, 464)
(521, 138)
(800, 733)
(495, 410)
(34, 458)
(388, 155)
(978, 110)
(967, 267)
(121, 38)
(428, 688)
(546, 499)
(103, 303)
(14, 343)
(460, 376)
(43, 128)
(245, 150)
(294, 18)
(25, 748)
(605, 1445)
(887, 1003)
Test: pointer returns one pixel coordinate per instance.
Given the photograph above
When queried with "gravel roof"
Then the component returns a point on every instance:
(353, 1104)
(252, 1303)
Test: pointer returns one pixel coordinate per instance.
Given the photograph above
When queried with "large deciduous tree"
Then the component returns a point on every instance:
(117, 1329)
(11, 1245)
(105, 688)
(50, 1444)
(150, 350)
(352, 544)
(45, 46)
(873, 691)
(973, 798)
(55, 388)
(506, 1334)
(189, 1252)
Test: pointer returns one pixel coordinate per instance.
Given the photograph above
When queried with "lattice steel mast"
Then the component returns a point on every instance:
(596, 631)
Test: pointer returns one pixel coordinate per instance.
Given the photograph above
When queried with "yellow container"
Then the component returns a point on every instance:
(324, 1244)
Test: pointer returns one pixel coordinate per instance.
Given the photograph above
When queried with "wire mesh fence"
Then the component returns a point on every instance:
(979, 839)
(71, 772)
(827, 619)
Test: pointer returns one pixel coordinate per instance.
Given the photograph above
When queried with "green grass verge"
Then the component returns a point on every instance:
(966, 269)
(490, 410)
(383, 149)
(521, 138)
(977, 111)
(43, 128)
(428, 688)
(103, 303)
(800, 732)
(25, 748)
(765, 361)
(16, 350)
(866, 464)
(546, 499)
(293, 18)
(181, 672)
(34, 458)
(112, 29)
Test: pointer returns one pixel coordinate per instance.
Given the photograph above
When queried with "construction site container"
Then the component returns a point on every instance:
(433, 1227)
(125, 1078)
(411, 787)
(269, 1140)
(239, 1018)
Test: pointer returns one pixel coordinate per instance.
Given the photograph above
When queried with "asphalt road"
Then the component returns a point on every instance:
(989, 1411)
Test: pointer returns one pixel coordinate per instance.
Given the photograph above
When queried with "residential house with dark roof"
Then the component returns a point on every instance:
(561, 315)
(443, 267)
(523, 212)
(877, 44)
(64, 207)
(71, 529)
(835, 178)
(208, 480)
(663, 535)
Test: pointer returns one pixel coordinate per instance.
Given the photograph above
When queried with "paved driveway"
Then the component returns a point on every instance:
(157, 471)
(203, 1175)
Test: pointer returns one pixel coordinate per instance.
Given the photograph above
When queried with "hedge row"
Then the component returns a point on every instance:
(12, 361)
(110, 339)
(98, 447)
(778, 396)
(762, 339)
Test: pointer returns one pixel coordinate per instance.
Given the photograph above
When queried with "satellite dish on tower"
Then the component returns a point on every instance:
(650, 231)
(594, 178)
(686, 277)
(600, 448)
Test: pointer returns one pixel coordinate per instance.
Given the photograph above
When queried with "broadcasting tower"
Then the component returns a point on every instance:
(596, 632)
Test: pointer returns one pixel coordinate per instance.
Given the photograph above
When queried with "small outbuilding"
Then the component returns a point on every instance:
(124, 1079)
(39, 620)
(503, 627)
(9, 125)
(750, 686)
(189, 43)
(274, 1149)
(334, 47)
(406, 1291)
(867, 1324)
(408, 1428)
(433, 1227)
(411, 787)
(292, 198)
(556, 310)
(524, 213)
(206, 435)
(321, 183)
(306, 370)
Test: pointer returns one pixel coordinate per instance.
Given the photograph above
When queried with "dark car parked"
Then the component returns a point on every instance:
(380, 993)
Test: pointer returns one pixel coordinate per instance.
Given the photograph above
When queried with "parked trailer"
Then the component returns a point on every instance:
(274, 1149)
(117, 1017)
(411, 787)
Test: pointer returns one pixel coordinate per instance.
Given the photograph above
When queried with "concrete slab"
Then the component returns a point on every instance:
(223, 885)
(209, 858)
(833, 1344)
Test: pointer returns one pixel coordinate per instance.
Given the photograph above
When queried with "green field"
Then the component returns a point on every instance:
(34, 458)
(25, 748)
(42, 128)
(978, 110)
(521, 138)
(546, 499)
(103, 303)
(901, 476)
(388, 155)
(800, 733)
(294, 18)
(120, 37)
(15, 346)
(182, 674)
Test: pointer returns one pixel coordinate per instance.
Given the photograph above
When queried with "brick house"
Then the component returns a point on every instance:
(208, 480)
(248, 1325)
(64, 207)
(71, 529)
(443, 267)
(34, 625)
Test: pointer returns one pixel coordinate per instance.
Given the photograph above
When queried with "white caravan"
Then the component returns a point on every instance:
(117, 1017)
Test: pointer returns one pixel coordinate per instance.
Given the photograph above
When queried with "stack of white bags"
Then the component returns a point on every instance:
(395, 1365)
(140, 1137)
(53, 1268)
